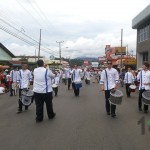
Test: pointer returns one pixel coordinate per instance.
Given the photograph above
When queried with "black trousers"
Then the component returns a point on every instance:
(107, 104)
(69, 83)
(20, 103)
(140, 100)
(76, 90)
(40, 98)
(128, 89)
(55, 90)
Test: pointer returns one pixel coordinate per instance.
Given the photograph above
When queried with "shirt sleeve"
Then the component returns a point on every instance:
(52, 75)
(116, 76)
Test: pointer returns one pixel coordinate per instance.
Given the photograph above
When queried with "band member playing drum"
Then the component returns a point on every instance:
(55, 83)
(76, 80)
(23, 80)
(129, 79)
(109, 81)
(87, 76)
(144, 78)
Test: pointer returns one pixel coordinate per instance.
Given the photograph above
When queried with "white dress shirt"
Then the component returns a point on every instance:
(42, 80)
(23, 78)
(109, 78)
(129, 78)
(144, 77)
(76, 77)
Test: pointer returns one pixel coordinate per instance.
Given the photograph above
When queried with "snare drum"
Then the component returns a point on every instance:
(54, 85)
(26, 97)
(146, 97)
(132, 88)
(116, 97)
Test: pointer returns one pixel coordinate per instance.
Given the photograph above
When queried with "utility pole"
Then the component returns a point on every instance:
(59, 49)
(121, 51)
(39, 45)
(127, 51)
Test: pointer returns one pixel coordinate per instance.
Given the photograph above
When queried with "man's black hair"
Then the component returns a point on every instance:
(40, 63)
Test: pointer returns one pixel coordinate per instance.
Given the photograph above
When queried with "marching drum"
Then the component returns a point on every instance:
(116, 97)
(132, 88)
(146, 97)
(26, 97)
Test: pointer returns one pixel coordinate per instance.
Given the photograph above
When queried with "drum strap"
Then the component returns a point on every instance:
(106, 78)
(46, 81)
(127, 77)
(141, 80)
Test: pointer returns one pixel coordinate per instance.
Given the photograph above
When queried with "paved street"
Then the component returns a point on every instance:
(81, 123)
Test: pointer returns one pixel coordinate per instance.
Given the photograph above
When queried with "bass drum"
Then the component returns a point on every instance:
(146, 97)
(116, 97)
(26, 97)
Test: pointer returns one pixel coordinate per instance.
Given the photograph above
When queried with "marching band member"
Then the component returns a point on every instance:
(76, 80)
(87, 76)
(23, 80)
(42, 87)
(144, 78)
(69, 78)
(129, 79)
(13, 79)
(55, 82)
(108, 82)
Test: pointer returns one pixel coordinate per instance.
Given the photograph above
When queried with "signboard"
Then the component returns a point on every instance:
(130, 62)
(94, 64)
(119, 50)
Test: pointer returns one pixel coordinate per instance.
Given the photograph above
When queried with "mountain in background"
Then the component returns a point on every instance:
(87, 58)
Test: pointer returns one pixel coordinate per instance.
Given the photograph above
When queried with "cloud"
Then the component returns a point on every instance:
(86, 26)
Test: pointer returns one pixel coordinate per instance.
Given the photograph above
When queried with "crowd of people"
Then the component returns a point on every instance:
(46, 82)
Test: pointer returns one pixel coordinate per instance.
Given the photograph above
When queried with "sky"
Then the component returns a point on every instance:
(83, 27)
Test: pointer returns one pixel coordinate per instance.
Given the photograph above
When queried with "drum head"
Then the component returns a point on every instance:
(132, 87)
(54, 86)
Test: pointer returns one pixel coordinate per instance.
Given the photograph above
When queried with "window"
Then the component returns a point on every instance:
(145, 56)
(143, 33)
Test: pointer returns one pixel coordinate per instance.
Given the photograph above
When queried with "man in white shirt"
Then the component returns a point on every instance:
(13, 78)
(42, 87)
(129, 79)
(76, 79)
(108, 82)
(144, 78)
(24, 78)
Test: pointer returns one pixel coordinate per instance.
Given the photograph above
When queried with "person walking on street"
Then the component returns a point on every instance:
(144, 78)
(76, 80)
(129, 79)
(24, 78)
(108, 82)
(42, 88)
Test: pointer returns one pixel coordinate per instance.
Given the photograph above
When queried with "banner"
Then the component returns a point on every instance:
(119, 50)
